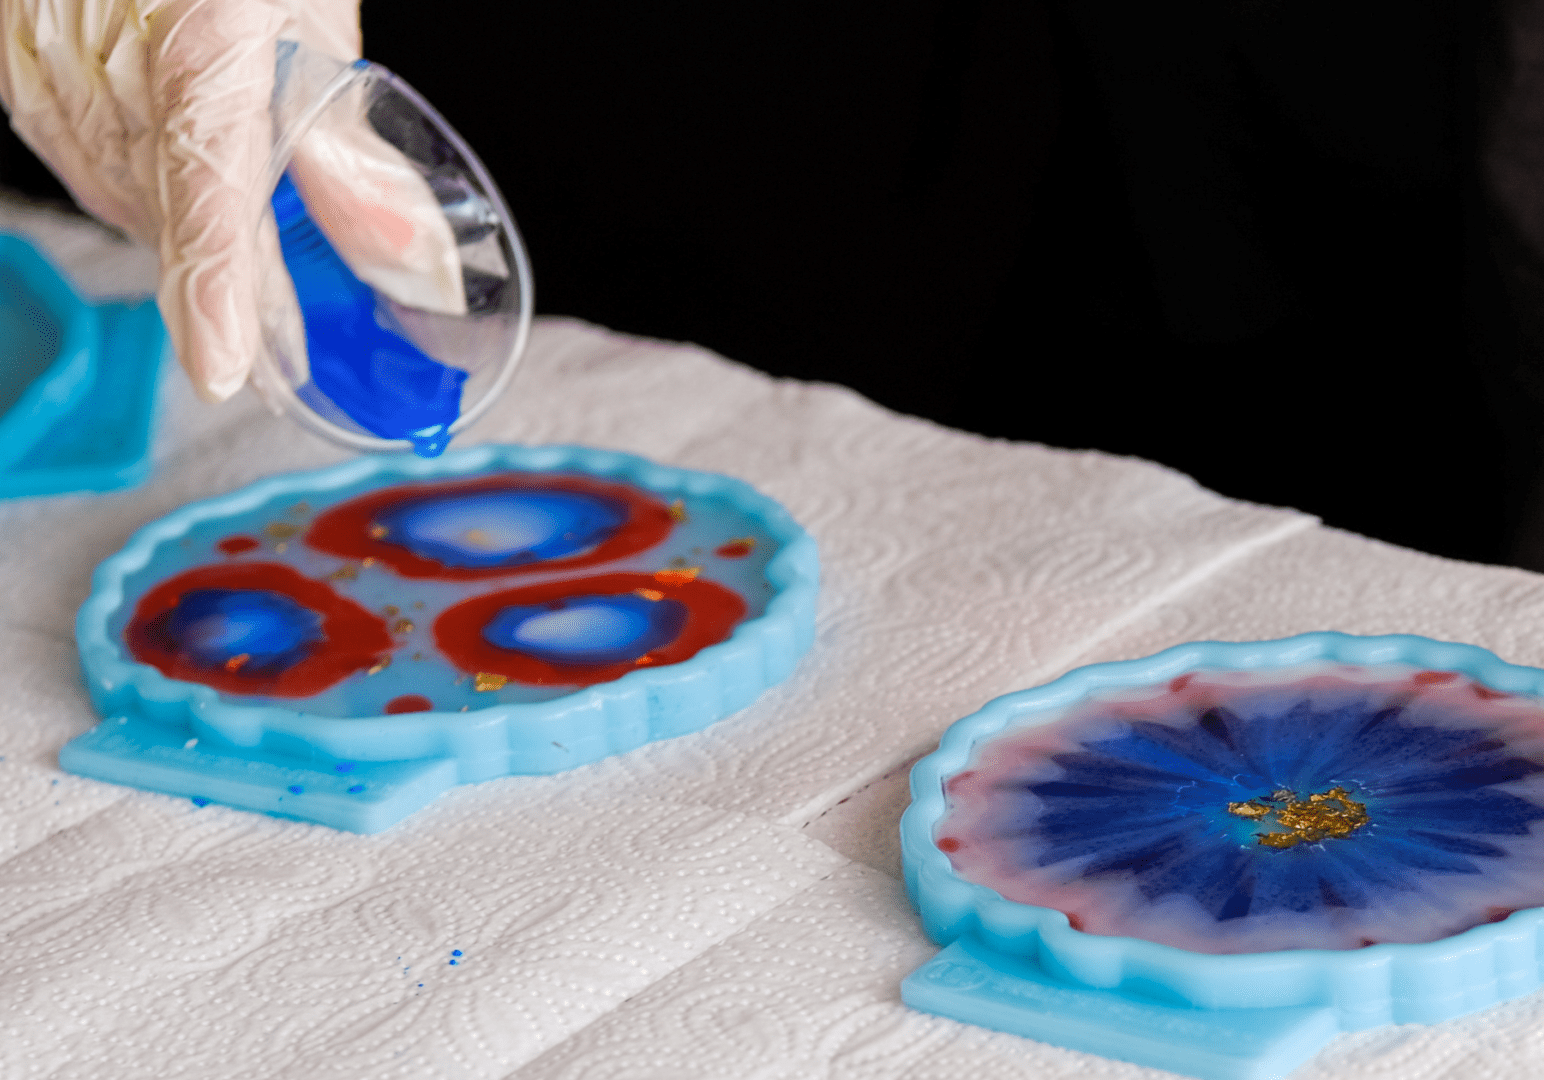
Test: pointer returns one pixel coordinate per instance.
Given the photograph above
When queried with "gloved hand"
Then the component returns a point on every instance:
(155, 114)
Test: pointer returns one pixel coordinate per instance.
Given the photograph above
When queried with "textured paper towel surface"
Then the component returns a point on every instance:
(718, 905)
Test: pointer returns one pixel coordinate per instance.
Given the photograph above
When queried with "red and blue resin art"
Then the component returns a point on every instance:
(1241, 812)
(1213, 859)
(457, 611)
(251, 626)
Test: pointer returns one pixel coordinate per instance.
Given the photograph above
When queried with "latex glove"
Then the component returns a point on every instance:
(155, 114)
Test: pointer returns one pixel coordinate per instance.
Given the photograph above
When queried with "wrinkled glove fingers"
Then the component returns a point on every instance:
(55, 82)
(212, 64)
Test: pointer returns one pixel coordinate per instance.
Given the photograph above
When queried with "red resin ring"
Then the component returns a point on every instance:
(712, 612)
(344, 529)
(355, 639)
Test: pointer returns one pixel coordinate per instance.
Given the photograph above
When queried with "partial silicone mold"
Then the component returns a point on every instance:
(339, 646)
(77, 392)
(1261, 844)
(47, 334)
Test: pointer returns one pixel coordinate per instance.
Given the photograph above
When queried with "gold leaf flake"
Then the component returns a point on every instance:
(677, 576)
(486, 681)
(1324, 815)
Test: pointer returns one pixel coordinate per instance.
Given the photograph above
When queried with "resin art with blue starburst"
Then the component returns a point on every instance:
(419, 614)
(1330, 806)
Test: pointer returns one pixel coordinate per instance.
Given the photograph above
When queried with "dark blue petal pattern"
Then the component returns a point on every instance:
(1337, 813)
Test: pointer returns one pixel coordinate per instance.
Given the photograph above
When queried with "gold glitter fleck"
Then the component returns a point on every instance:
(418, 605)
(368, 560)
(235, 663)
(649, 594)
(644, 660)
(677, 576)
(1324, 815)
(402, 626)
(391, 609)
(418, 656)
(281, 547)
(378, 532)
(678, 512)
(344, 573)
(486, 681)
(479, 538)
(300, 509)
(281, 530)
(380, 665)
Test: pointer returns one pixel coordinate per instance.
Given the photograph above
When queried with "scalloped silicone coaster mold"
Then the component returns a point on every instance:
(340, 646)
(1426, 757)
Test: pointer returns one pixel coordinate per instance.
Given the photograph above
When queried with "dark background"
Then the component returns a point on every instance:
(1250, 240)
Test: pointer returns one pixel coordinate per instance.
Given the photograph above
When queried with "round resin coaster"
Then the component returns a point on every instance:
(1223, 854)
(341, 645)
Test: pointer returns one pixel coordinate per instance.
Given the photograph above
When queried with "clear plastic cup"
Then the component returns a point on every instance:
(393, 290)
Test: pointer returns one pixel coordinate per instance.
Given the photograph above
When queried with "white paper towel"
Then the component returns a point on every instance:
(704, 907)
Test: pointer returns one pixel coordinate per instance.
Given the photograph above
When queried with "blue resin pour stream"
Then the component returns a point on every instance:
(382, 381)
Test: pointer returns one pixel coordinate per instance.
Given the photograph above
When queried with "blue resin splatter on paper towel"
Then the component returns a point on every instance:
(382, 381)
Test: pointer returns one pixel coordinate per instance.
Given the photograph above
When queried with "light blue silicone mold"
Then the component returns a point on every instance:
(47, 334)
(77, 391)
(1252, 1016)
(364, 772)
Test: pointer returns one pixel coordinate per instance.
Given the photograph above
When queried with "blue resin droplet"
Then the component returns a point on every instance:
(501, 528)
(382, 381)
(216, 627)
(588, 629)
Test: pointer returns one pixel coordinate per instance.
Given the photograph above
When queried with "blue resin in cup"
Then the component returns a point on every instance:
(394, 291)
